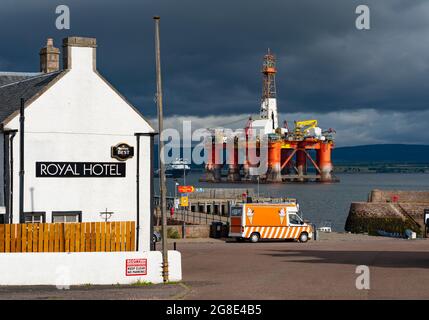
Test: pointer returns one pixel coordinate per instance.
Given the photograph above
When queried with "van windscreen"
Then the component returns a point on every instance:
(236, 211)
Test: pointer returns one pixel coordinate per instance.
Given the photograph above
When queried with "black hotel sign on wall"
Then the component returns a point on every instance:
(80, 170)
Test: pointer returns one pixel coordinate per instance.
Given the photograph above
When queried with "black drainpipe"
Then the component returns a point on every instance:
(21, 162)
(5, 175)
(152, 207)
(8, 173)
(138, 192)
(11, 177)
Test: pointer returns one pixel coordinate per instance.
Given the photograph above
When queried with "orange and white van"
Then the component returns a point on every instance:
(255, 221)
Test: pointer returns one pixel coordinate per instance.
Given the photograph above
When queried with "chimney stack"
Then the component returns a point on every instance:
(49, 57)
(79, 53)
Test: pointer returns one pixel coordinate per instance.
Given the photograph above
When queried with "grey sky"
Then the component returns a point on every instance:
(212, 51)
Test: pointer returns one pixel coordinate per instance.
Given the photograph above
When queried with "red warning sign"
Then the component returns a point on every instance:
(185, 189)
(136, 267)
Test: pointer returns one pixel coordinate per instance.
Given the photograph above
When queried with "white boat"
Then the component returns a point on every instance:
(177, 168)
(325, 226)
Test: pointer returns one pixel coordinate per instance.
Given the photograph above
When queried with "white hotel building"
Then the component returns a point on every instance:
(86, 149)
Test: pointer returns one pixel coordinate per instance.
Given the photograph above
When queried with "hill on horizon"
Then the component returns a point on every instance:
(368, 154)
(387, 153)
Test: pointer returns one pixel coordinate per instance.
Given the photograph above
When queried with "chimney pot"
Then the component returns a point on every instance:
(49, 57)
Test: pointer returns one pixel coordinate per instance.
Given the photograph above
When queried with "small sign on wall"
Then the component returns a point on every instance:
(136, 267)
(122, 152)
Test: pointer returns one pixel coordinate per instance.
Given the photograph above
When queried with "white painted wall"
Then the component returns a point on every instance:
(78, 120)
(80, 268)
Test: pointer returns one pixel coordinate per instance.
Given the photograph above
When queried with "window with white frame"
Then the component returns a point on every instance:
(34, 217)
(66, 216)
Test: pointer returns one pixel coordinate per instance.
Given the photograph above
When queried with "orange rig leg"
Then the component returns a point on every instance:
(325, 163)
(274, 167)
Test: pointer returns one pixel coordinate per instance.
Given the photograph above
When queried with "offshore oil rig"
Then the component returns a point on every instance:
(265, 152)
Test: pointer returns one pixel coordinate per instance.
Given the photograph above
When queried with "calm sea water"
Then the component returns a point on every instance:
(320, 202)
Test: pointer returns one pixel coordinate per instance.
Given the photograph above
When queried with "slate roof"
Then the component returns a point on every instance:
(25, 87)
(9, 77)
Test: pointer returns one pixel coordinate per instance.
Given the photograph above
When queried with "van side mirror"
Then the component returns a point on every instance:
(302, 222)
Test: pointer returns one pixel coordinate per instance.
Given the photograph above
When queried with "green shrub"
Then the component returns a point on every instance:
(140, 283)
(172, 233)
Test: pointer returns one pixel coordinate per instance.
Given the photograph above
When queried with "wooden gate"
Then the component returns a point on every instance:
(68, 237)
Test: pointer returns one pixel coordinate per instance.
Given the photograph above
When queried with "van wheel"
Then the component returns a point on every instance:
(254, 237)
(303, 237)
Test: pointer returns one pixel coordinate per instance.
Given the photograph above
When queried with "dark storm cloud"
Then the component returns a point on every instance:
(212, 51)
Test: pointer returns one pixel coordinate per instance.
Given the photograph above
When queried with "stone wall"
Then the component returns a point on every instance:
(401, 196)
(415, 210)
(391, 211)
(192, 231)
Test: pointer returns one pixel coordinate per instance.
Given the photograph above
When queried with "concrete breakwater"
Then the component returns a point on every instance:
(390, 211)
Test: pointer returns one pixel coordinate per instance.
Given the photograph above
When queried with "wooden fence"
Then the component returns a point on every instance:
(68, 237)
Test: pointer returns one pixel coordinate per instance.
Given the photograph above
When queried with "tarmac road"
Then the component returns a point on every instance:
(399, 269)
(325, 269)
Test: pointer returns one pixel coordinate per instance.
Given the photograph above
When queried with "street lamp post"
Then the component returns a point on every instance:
(184, 173)
(176, 184)
(185, 209)
(162, 187)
